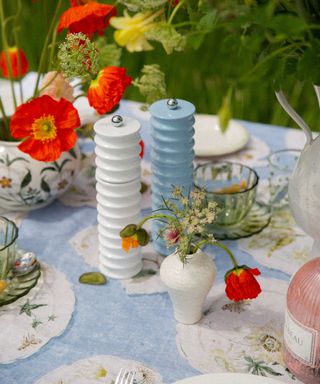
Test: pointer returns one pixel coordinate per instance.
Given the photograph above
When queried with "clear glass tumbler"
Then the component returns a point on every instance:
(281, 167)
(8, 237)
(232, 186)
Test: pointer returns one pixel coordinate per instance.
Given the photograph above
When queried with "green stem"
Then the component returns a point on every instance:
(16, 38)
(53, 45)
(157, 216)
(45, 46)
(5, 121)
(78, 97)
(264, 60)
(5, 48)
(176, 9)
(185, 24)
(220, 245)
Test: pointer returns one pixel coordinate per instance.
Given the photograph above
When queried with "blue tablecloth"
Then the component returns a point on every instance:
(106, 320)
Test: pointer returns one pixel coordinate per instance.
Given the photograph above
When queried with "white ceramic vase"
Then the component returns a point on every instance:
(26, 183)
(188, 284)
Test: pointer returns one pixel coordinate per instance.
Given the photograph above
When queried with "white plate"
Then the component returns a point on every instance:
(228, 378)
(209, 141)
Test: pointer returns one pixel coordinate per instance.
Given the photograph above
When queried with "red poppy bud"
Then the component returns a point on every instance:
(241, 283)
(15, 59)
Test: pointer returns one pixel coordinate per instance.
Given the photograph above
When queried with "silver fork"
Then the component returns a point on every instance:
(125, 376)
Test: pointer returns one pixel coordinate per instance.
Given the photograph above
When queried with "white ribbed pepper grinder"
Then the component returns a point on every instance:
(118, 192)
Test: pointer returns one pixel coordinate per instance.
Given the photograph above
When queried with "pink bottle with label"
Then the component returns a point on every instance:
(302, 325)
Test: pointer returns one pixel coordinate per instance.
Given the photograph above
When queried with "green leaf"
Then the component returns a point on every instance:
(128, 231)
(26, 180)
(93, 278)
(44, 186)
(145, 273)
(225, 112)
(168, 36)
(17, 159)
(65, 161)
(27, 308)
(48, 169)
(142, 5)
(194, 40)
(151, 83)
(288, 25)
(208, 21)
(73, 152)
(143, 237)
(109, 54)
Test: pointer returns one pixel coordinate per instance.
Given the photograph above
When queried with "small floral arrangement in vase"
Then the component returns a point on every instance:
(189, 273)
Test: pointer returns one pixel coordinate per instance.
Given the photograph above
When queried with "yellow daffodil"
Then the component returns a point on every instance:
(131, 30)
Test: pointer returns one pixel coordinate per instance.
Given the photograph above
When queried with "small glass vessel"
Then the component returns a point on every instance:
(8, 237)
(232, 186)
(302, 325)
(281, 166)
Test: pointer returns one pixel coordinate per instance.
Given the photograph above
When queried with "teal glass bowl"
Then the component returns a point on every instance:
(232, 186)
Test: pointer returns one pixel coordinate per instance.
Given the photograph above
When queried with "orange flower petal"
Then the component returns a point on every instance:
(129, 242)
(106, 91)
(89, 18)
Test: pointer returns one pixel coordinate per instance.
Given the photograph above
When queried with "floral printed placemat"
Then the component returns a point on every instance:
(30, 322)
(254, 154)
(239, 337)
(100, 369)
(282, 245)
(147, 281)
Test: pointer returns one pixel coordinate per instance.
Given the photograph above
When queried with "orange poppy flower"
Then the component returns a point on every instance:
(89, 18)
(106, 91)
(47, 126)
(18, 63)
(130, 242)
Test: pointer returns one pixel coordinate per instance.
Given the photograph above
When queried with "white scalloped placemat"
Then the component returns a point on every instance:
(146, 282)
(99, 369)
(30, 322)
(239, 337)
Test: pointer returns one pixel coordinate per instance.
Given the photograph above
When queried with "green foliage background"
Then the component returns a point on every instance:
(202, 76)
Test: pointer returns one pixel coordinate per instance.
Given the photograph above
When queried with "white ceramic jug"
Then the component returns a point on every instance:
(304, 185)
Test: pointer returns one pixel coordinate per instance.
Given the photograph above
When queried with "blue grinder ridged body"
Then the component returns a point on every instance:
(172, 156)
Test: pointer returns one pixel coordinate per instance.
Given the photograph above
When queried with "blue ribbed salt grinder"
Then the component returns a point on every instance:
(172, 155)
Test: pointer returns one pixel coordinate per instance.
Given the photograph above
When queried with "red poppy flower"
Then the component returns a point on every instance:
(141, 143)
(47, 126)
(106, 91)
(18, 63)
(241, 283)
(89, 18)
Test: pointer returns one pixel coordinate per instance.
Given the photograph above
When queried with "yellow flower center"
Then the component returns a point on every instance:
(44, 128)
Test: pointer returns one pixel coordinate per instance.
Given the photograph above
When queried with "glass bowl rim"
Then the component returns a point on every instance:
(232, 163)
(281, 151)
(16, 232)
